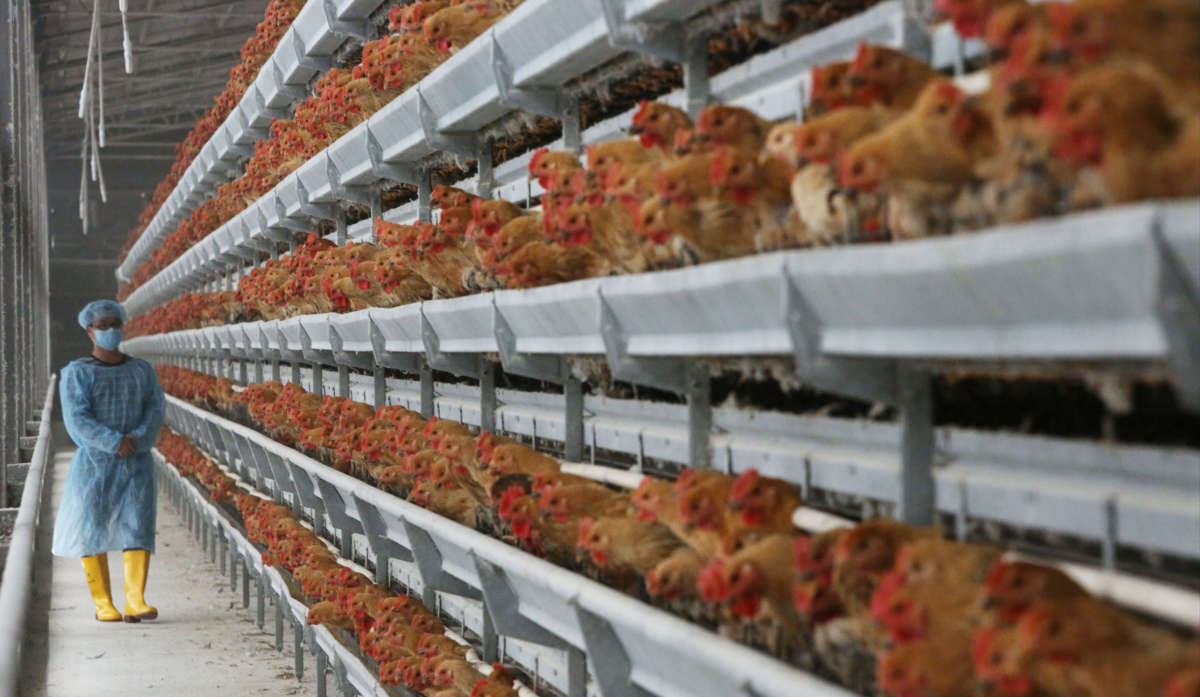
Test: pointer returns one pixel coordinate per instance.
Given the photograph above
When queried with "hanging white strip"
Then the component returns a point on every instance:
(125, 42)
(87, 68)
(100, 85)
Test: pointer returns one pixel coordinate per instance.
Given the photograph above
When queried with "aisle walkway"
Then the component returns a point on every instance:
(205, 645)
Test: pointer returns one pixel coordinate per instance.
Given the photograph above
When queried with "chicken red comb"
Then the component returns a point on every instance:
(685, 480)
(711, 582)
(507, 499)
(862, 56)
(478, 689)
(537, 157)
(719, 169)
(743, 484)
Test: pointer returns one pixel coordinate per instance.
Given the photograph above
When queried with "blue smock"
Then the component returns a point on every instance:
(109, 502)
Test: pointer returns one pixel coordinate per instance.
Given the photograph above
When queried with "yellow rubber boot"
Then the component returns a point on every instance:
(95, 568)
(137, 565)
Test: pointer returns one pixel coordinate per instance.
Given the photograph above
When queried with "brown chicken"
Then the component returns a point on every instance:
(452, 28)
(625, 549)
(1117, 121)
(865, 554)
(655, 124)
(923, 160)
(722, 124)
(882, 75)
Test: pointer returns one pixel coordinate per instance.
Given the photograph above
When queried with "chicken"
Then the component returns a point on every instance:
(452, 28)
(926, 669)
(764, 501)
(685, 180)
(758, 579)
(969, 17)
(941, 561)
(445, 197)
(487, 219)
(455, 504)
(562, 502)
(655, 124)
(939, 611)
(675, 577)
(722, 124)
(329, 614)
(545, 166)
(457, 673)
(708, 230)
(814, 595)
(863, 555)
(831, 89)
(1012, 587)
(1163, 33)
(626, 549)
(924, 158)
(888, 76)
(603, 157)
(655, 500)
(1117, 121)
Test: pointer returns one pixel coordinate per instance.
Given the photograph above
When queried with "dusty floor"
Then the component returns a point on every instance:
(204, 645)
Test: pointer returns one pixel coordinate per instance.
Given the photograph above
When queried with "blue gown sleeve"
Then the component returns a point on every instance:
(153, 406)
(81, 424)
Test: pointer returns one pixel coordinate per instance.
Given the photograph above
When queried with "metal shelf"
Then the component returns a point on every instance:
(542, 44)
(209, 523)
(304, 51)
(1129, 497)
(848, 316)
(634, 648)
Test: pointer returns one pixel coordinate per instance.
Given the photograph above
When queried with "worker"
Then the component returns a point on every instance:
(113, 407)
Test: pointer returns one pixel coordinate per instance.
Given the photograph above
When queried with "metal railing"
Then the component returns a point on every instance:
(16, 582)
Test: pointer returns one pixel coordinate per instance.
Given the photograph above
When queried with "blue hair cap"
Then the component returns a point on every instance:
(100, 308)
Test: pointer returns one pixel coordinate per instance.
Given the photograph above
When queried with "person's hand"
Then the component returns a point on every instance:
(127, 447)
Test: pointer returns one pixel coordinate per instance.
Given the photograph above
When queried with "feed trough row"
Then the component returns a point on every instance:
(543, 44)
(632, 646)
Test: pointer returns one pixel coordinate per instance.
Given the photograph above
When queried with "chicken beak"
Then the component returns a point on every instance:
(736, 505)
(635, 129)
(856, 81)
(998, 55)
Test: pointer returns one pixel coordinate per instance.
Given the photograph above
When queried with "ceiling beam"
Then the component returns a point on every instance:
(173, 41)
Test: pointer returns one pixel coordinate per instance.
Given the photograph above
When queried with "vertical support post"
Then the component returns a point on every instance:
(322, 669)
(573, 395)
(426, 389)
(487, 395)
(233, 567)
(246, 585)
(298, 648)
(339, 222)
(278, 600)
(343, 388)
(916, 505)
(695, 74)
(571, 128)
(260, 617)
(242, 377)
(491, 639)
(424, 198)
(576, 672)
(485, 178)
(296, 372)
(375, 197)
(380, 384)
(699, 416)
(276, 373)
(318, 373)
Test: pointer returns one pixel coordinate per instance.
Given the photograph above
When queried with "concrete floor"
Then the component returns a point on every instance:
(204, 644)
